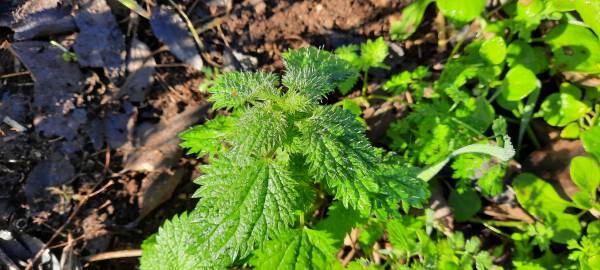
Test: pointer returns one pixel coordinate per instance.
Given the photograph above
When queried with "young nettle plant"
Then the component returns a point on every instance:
(272, 163)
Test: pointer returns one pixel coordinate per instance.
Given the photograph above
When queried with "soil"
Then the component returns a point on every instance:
(83, 176)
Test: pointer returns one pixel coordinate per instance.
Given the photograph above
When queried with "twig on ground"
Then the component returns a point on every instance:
(14, 124)
(83, 200)
(109, 255)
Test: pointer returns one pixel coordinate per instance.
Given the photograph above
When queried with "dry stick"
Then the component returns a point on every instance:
(84, 199)
(189, 25)
(353, 235)
(15, 74)
(114, 255)
(441, 25)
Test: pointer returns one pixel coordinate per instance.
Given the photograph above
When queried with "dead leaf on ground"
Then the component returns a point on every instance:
(590, 80)
(140, 65)
(379, 119)
(157, 188)
(100, 42)
(171, 30)
(52, 172)
(42, 18)
(57, 83)
(119, 126)
(157, 146)
(507, 212)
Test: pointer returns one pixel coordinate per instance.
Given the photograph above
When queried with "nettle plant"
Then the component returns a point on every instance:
(276, 162)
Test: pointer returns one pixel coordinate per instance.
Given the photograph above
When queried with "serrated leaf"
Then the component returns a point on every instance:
(243, 201)
(208, 138)
(399, 183)
(172, 248)
(373, 53)
(259, 131)
(339, 222)
(348, 53)
(402, 234)
(314, 72)
(338, 154)
(491, 182)
(297, 249)
(235, 89)
(412, 15)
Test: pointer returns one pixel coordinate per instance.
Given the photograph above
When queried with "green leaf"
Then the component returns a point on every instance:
(541, 200)
(593, 229)
(399, 182)
(590, 13)
(591, 141)
(562, 5)
(518, 83)
(499, 127)
(339, 222)
(477, 112)
(373, 53)
(530, 8)
(412, 15)
(243, 201)
(172, 248)
(259, 131)
(235, 89)
(461, 11)
(353, 106)
(575, 48)
(585, 173)
(208, 138)
(571, 131)
(502, 153)
(369, 234)
(493, 50)
(464, 205)
(491, 182)
(297, 249)
(314, 72)
(560, 109)
(527, 114)
(537, 196)
(520, 52)
(339, 154)
(582, 200)
(570, 89)
(402, 234)
(349, 53)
